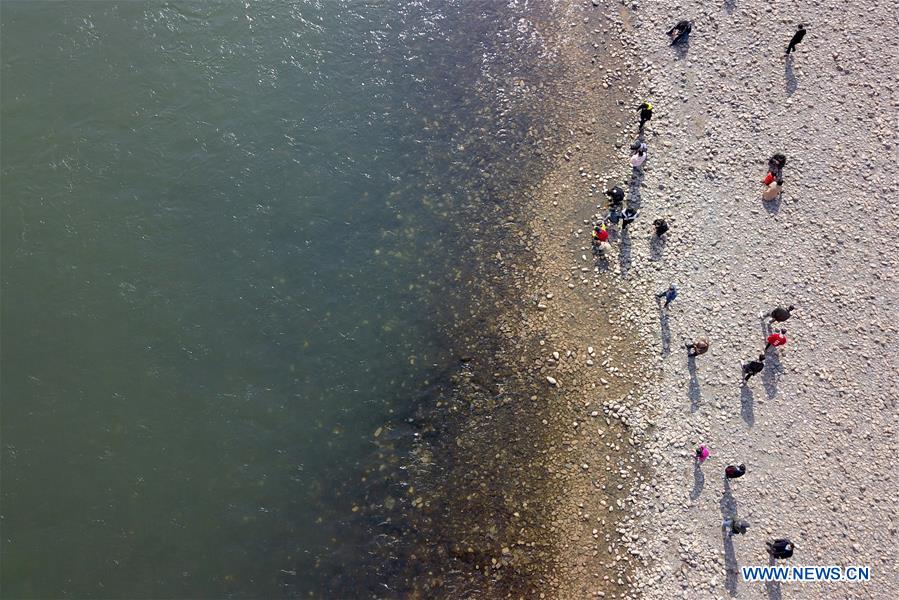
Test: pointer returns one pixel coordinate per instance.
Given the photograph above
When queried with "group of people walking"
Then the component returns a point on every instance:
(780, 548)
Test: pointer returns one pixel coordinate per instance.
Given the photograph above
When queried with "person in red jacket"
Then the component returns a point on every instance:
(600, 233)
(778, 338)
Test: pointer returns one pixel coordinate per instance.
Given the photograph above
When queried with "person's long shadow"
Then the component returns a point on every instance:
(665, 330)
(772, 372)
(746, 401)
(766, 326)
(634, 199)
(727, 504)
(772, 587)
(789, 77)
(600, 259)
(693, 392)
(698, 481)
(681, 47)
(728, 507)
(656, 248)
(624, 253)
(731, 568)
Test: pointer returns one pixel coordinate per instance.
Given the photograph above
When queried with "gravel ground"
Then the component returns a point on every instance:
(816, 429)
(635, 517)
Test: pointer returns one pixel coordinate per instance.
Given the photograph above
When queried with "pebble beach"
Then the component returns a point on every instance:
(816, 429)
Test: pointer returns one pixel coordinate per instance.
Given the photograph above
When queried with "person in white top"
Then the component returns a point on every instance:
(638, 159)
(773, 190)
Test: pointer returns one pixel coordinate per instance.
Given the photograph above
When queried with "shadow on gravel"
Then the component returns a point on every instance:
(746, 401)
(766, 327)
(665, 331)
(773, 370)
(731, 567)
(694, 392)
(789, 77)
(728, 506)
(772, 587)
(600, 260)
(656, 248)
(729, 6)
(634, 199)
(772, 207)
(682, 47)
(624, 253)
(698, 481)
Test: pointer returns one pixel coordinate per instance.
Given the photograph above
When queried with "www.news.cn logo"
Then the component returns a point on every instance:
(815, 573)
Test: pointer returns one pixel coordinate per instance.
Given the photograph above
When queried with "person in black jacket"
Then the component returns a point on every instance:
(661, 226)
(645, 110)
(776, 165)
(628, 217)
(780, 548)
(732, 525)
(616, 196)
(753, 367)
(734, 471)
(681, 31)
(797, 37)
(780, 314)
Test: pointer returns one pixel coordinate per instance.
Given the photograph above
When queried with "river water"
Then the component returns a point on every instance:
(231, 234)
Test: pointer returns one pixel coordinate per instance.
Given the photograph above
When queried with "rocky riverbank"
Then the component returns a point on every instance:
(817, 428)
(593, 373)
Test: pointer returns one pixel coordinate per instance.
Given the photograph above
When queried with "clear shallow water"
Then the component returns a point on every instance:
(227, 239)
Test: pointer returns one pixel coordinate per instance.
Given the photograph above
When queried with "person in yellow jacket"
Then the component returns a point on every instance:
(645, 110)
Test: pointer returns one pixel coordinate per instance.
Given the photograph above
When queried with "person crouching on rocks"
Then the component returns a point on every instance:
(698, 347)
(734, 471)
(660, 226)
(616, 196)
(601, 239)
(780, 548)
(680, 32)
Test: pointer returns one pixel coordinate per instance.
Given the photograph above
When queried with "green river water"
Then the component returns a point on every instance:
(227, 230)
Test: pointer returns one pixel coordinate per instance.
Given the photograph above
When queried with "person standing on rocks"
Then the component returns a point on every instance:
(702, 453)
(638, 159)
(661, 226)
(614, 215)
(700, 346)
(628, 217)
(776, 339)
(732, 525)
(780, 548)
(734, 471)
(773, 190)
(780, 314)
(645, 111)
(776, 166)
(669, 295)
(753, 367)
(797, 37)
(639, 144)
